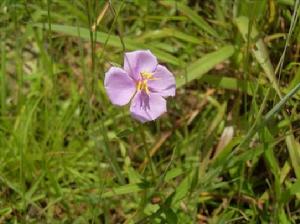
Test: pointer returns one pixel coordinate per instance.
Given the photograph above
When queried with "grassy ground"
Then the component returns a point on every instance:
(227, 151)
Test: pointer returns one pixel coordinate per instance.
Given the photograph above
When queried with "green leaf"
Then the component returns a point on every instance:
(192, 15)
(294, 151)
(182, 189)
(30, 193)
(126, 189)
(169, 32)
(175, 172)
(286, 2)
(111, 40)
(231, 83)
(295, 80)
(197, 69)
(295, 188)
(171, 216)
(5, 211)
(260, 51)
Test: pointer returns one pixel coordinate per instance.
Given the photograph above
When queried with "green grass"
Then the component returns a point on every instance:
(227, 150)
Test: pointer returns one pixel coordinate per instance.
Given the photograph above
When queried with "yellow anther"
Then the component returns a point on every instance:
(146, 75)
(139, 85)
(142, 84)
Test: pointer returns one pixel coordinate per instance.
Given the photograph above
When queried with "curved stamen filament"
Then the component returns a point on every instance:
(142, 84)
(148, 76)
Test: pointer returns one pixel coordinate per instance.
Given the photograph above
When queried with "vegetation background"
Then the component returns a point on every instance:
(227, 151)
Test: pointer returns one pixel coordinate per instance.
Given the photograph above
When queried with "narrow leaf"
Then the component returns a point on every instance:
(197, 69)
(260, 51)
(113, 41)
(192, 15)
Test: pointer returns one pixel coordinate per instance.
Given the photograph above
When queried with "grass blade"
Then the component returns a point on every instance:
(222, 81)
(169, 32)
(197, 69)
(192, 15)
(260, 51)
(289, 139)
(261, 55)
(113, 41)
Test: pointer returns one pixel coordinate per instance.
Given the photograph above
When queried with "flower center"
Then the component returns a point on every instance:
(142, 85)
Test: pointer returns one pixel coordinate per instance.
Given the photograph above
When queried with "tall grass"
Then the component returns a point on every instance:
(227, 151)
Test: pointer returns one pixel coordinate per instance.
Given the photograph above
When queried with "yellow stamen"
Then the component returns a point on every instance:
(139, 86)
(146, 87)
(146, 75)
(142, 84)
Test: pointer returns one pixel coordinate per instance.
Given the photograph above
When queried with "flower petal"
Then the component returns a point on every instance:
(119, 86)
(136, 62)
(147, 107)
(163, 83)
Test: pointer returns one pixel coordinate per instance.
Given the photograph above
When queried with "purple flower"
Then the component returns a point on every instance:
(144, 82)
